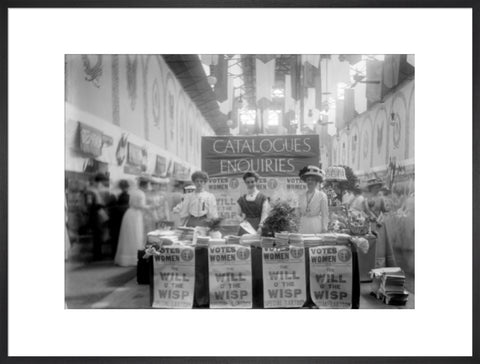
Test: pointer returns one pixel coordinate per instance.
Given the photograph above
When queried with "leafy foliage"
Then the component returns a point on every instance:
(281, 218)
(214, 224)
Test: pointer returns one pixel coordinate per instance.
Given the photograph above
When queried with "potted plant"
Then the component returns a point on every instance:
(281, 218)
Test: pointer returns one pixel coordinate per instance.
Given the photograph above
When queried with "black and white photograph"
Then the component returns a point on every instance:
(240, 181)
(263, 185)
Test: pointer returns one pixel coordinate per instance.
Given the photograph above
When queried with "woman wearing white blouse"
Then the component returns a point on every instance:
(200, 206)
(313, 205)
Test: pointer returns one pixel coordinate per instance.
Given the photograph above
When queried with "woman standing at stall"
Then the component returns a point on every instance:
(313, 205)
(376, 208)
(132, 231)
(253, 207)
(200, 206)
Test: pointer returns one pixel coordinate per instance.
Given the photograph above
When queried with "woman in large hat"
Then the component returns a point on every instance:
(313, 205)
(376, 208)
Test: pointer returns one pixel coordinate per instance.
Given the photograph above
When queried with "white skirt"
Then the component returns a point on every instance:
(131, 238)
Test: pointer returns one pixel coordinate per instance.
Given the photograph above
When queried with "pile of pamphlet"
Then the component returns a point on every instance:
(250, 240)
(162, 237)
(388, 285)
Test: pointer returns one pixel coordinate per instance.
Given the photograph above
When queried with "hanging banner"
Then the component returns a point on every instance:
(230, 276)
(284, 282)
(174, 277)
(272, 155)
(160, 166)
(90, 140)
(331, 276)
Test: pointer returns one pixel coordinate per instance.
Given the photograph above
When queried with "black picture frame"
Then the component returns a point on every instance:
(4, 203)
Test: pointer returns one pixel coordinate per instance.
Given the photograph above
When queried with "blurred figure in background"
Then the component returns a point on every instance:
(187, 189)
(132, 231)
(116, 214)
(376, 208)
(95, 202)
(160, 202)
(358, 201)
(347, 197)
(150, 219)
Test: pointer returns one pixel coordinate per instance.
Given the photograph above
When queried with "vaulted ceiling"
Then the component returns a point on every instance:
(191, 75)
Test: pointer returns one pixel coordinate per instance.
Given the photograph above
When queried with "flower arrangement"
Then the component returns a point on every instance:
(281, 218)
(358, 222)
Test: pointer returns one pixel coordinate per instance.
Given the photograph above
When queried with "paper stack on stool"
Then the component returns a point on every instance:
(388, 284)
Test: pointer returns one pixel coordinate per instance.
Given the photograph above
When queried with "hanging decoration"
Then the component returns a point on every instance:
(121, 149)
(155, 103)
(93, 73)
(379, 136)
(396, 130)
(132, 80)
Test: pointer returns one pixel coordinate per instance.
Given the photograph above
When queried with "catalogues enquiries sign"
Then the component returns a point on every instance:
(230, 276)
(174, 277)
(269, 155)
(331, 276)
(284, 277)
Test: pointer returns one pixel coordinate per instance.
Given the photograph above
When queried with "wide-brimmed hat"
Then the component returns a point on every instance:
(312, 171)
(374, 182)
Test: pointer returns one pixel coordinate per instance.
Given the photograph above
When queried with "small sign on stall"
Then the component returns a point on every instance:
(230, 276)
(331, 276)
(174, 277)
(284, 277)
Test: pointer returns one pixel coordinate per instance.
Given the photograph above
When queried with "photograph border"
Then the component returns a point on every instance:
(231, 4)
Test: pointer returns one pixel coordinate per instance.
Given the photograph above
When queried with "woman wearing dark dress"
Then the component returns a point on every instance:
(117, 212)
(375, 209)
(253, 207)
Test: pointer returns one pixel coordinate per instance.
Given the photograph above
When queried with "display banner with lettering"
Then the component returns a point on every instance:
(174, 277)
(284, 277)
(269, 156)
(331, 276)
(228, 190)
(90, 140)
(160, 166)
(230, 276)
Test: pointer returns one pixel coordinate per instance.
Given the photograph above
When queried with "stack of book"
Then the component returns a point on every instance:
(388, 285)
(250, 240)
(282, 239)
(202, 240)
(162, 237)
(185, 233)
(232, 239)
(268, 242)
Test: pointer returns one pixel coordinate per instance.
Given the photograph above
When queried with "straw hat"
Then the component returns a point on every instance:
(312, 171)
